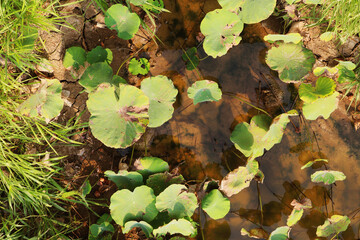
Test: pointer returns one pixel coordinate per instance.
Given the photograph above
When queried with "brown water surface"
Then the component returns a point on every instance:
(197, 138)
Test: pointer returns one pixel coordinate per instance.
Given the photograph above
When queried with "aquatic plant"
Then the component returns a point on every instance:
(102, 228)
(204, 91)
(289, 58)
(262, 133)
(327, 177)
(165, 210)
(334, 225)
(191, 58)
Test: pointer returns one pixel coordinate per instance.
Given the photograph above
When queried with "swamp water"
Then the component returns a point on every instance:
(197, 138)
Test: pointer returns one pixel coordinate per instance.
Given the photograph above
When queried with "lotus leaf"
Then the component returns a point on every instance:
(294, 217)
(96, 230)
(324, 87)
(280, 233)
(310, 163)
(99, 54)
(177, 201)
(257, 233)
(221, 29)
(145, 227)
(74, 57)
(236, 180)
(305, 203)
(327, 176)
(116, 80)
(321, 107)
(327, 36)
(96, 74)
(181, 226)
(191, 59)
(124, 179)
(162, 94)
(160, 181)
(150, 165)
(46, 102)
(137, 205)
(320, 70)
(288, 38)
(119, 116)
(120, 18)
(347, 64)
(333, 225)
(204, 91)
(254, 11)
(215, 204)
(345, 71)
(139, 66)
(292, 61)
(251, 139)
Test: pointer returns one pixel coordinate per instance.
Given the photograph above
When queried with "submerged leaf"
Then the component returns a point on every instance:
(327, 176)
(333, 225)
(204, 91)
(137, 205)
(215, 204)
(321, 107)
(162, 95)
(324, 87)
(292, 61)
(96, 74)
(145, 227)
(118, 119)
(46, 102)
(181, 226)
(221, 29)
(280, 233)
(288, 38)
(177, 201)
(124, 179)
(191, 59)
(120, 18)
(139, 66)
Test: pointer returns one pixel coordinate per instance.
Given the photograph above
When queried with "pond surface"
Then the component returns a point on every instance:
(197, 138)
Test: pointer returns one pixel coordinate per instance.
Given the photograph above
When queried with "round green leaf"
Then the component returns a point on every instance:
(116, 80)
(96, 230)
(162, 94)
(181, 226)
(120, 18)
(204, 91)
(74, 57)
(280, 233)
(254, 11)
(46, 102)
(288, 38)
(139, 66)
(215, 204)
(99, 54)
(327, 176)
(243, 139)
(320, 70)
(333, 225)
(177, 201)
(137, 205)
(145, 227)
(118, 118)
(150, 165)
(160, 181)
(124, 179)
(327, 36)
(321, 107)
(324, 87)
(236, 181)
(96, 74)
(294, 217)
(292, 61)
(221, 29)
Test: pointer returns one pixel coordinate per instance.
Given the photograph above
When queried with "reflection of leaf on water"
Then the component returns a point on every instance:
(272, 212)
(217, 230)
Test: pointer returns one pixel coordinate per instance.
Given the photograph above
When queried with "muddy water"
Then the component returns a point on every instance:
(197, 138)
